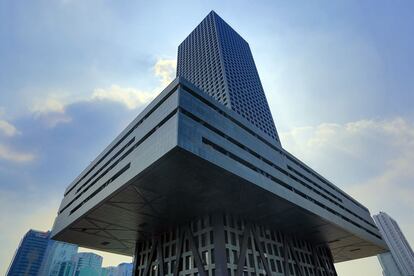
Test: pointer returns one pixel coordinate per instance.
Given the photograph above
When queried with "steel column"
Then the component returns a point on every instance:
(194, 250)
(217, 221)
(261, 252)
(243, 249)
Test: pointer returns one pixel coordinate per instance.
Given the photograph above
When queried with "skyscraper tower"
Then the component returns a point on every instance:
(56, 254)
(29, 255)
(199, 184)
(218, 60)
(401, 253)
(87, 263)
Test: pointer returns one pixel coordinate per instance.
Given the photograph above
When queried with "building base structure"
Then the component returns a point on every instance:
(227, 245)
(186, 156)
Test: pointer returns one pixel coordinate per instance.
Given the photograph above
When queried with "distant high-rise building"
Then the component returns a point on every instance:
(109, 271)
(66, 268)
(87, 264)
(124, 269)
(402, 255)
(218, 60)
(388, 264)
(56, 254)
(29, 255)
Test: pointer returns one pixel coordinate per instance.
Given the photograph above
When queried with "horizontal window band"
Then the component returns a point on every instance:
(245, 148)
(123, 138)
(193, 117)
(106, 164)
(271, 146)
(118, 174)
(130, 150)
(283, 184)
(292, 159)
(340, 206)
(218, 132)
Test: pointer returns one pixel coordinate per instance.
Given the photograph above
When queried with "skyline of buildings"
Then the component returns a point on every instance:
(400, 259)
(38, 255)
(58, 257)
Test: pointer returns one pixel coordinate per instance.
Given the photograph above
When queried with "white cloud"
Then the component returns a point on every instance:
(165, 69)
(371, 160)
(53, 119)
(49, 104)
(7, 128)
(130, 97)
(52, 107)
(8, 154)
(11, 155)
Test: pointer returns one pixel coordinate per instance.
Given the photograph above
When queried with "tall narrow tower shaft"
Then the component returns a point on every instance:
(218, 60)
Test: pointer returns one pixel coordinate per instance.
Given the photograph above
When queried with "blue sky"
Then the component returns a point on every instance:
(73, 74)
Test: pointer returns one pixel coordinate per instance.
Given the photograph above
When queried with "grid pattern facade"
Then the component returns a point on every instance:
(302, 257)
(202, 234)
(399, 247)
(29, 255)
(272, 243)
(218, 60)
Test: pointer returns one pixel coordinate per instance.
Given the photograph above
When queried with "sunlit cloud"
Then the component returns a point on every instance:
(49, 104)
(50, 110)
(7, 128)
(53, 119)
(165, 69)
(371, 160)
(130, 97)
(9, 154)
(394, 183)
(358, 139)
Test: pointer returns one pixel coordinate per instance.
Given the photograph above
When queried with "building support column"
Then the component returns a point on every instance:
(180, 244)
(217, 221)
(136, 260)
(261, 251)
(331, 260)
(181, 241)
(243, 249)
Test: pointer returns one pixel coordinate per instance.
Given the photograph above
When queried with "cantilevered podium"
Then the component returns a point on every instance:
(199, 184)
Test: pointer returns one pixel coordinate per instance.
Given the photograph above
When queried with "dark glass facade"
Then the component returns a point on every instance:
(29, 255)
(218, 60)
